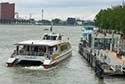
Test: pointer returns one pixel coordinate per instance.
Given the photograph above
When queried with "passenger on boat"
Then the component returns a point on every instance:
(42, 50)
(50, 51)
(120, 53)
(83, 43)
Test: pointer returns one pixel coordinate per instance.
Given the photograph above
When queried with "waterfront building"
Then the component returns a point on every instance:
(7, 10)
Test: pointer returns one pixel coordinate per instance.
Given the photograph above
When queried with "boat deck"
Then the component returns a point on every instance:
(112, 59)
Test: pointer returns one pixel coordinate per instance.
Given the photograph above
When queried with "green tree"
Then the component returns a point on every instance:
(111, 18)
(56, 21)
(71, 21)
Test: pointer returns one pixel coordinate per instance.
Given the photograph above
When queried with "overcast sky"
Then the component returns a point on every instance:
(84, 9)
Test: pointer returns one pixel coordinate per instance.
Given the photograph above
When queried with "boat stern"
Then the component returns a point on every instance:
(11, 62)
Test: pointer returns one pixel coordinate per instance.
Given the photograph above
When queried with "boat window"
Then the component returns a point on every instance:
(63, 47)
(36, 49)
(47, 37)
(84, 34)
(25, 48)
(123, 47)
(50, 50)
(88, 28)
(60, 37)
(53, 37)
(102, 43)
(107, 43)
(31, 50)
(55, 49)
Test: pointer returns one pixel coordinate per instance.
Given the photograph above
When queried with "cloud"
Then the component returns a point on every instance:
(61, 8)
(61, 3)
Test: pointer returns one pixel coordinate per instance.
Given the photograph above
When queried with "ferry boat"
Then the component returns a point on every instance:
(102, 51)
(47, 52)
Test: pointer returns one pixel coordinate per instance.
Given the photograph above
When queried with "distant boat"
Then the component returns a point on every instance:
(45, 29)
(52, 35)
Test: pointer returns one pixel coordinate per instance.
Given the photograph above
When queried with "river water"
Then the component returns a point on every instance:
(73, 70)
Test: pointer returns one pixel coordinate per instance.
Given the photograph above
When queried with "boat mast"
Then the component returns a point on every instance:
(51, 28)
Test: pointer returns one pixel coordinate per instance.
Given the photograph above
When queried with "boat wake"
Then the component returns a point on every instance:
(38, 68)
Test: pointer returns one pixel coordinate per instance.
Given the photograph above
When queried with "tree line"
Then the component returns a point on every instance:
(56, 21)
(111, 18)
(16, 21)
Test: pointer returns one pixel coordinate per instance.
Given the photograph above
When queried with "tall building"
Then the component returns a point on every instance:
(7, 10)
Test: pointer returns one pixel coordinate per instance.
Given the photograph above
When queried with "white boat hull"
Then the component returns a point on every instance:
(44, 62)
(59, 59)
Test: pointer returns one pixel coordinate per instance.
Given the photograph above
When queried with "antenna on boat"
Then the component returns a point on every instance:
(51, 28)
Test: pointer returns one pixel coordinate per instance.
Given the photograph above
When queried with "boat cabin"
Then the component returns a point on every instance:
(41, 48)
(105, 41)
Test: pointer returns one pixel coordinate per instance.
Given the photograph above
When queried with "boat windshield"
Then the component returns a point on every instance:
(102, 43)
(52, 49)
(48, 37)
(84, 34)
(31, 50)
(88, 28)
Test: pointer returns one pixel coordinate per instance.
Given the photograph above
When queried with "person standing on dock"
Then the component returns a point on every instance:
(119, 53)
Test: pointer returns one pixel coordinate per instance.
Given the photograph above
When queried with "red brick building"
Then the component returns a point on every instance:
(7, 10)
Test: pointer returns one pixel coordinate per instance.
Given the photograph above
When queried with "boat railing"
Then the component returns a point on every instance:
(30, 53)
